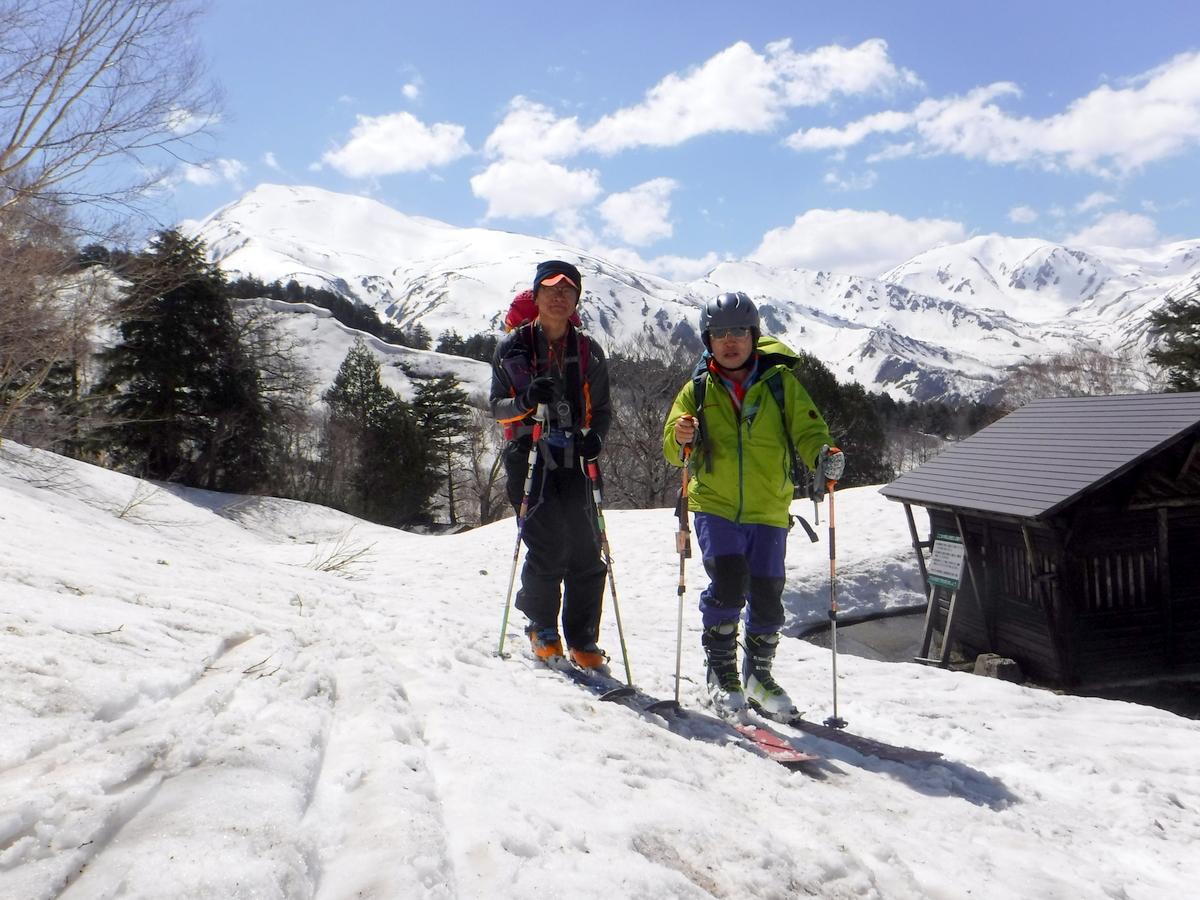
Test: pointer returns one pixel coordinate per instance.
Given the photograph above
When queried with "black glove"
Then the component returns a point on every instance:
(588, 444)
(540, 390)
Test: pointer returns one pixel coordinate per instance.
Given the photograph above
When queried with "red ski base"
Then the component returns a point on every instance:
(776, 748)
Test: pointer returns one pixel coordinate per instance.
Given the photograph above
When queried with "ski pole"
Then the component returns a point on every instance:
(833, 721)
(593, 472)
(538, 418)
(684, 544)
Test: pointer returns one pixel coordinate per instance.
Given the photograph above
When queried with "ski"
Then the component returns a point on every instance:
(864, 745)
(774, 746)
(685, 722)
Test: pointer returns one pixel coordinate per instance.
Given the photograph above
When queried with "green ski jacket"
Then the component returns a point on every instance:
(749, 481)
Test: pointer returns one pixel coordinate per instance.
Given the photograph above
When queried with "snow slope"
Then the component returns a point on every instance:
(210, 696)
(942, 325)
(323, 342)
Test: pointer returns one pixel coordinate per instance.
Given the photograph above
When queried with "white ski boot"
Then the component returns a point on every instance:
(761, 688)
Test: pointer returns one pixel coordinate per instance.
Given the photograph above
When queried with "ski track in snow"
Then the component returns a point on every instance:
(190, 707)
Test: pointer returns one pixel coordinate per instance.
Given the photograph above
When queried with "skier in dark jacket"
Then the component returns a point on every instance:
(549, 362)
(741, 488)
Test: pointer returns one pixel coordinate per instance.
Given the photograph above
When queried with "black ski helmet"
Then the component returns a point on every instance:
(732, 309)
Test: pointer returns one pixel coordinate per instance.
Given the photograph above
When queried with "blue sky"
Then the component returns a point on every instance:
(671, 135)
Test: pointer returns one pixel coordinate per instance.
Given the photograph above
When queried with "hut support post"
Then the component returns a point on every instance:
(919, 548)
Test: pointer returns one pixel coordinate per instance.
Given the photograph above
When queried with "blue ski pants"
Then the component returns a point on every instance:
(745, 565)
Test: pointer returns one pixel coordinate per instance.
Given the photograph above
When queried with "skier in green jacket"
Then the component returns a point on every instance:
(741, 488)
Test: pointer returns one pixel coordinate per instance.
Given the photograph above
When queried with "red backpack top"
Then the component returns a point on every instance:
(523, 310)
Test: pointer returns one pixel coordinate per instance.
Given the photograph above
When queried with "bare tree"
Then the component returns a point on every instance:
(287, 382)
(97, 99)
(482, 477)
(48, 317)
(908, 448)
(1082, 372)
(645, 380)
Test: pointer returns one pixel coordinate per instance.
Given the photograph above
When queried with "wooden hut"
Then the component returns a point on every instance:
(1080, 517)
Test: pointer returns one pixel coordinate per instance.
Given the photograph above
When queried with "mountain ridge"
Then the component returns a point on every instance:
(942, 325)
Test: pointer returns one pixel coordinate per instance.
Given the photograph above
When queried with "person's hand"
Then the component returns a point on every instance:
(589, 444)
(540, 390)
(831, 463)
(685, 430)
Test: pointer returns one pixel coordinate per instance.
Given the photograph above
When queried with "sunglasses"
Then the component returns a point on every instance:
(563, 289)
(719, 334)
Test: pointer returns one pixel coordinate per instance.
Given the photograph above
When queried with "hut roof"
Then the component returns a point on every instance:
(1049, 453)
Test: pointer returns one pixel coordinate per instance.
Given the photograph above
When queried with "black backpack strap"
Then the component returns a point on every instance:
(699, 384)
(775, 383)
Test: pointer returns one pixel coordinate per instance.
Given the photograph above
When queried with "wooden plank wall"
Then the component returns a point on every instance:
(1103, 595)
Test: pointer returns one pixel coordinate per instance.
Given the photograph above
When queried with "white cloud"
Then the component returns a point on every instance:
(676, 268)
(733, 91)
(741, 90)
(397, 142)
(853, 241)
(411, 91)
(269, 159)
(1093, 200)
(738, 89)
(1108, 132)
(532, 131)
(1022, 214)
(1118, 229)
(214, 172)
(187, 122)
(811, 78)
(517, 188)
(854, 133)
(683, 268)
(571, 229)
(862, 182)
(639, 216)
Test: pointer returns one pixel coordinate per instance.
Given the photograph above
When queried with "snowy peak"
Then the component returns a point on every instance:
(1040, 281)
(944, 324)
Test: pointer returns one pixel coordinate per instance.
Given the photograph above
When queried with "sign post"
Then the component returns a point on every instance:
(944, 571)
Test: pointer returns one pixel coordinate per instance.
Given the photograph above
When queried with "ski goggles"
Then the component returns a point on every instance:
(720, 334)
(555, 279)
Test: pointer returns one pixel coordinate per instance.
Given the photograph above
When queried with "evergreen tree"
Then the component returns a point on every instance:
(481, 346)
(417, 337)
(378, 463)
(1177, 323)
(441, 410)
(853, 422)
(184, 398)
(450, 342)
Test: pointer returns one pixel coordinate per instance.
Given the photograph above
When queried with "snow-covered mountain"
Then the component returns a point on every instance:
(942, 325)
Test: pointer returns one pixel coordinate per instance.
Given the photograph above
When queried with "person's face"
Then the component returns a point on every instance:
(730, 350)
(557, 301)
